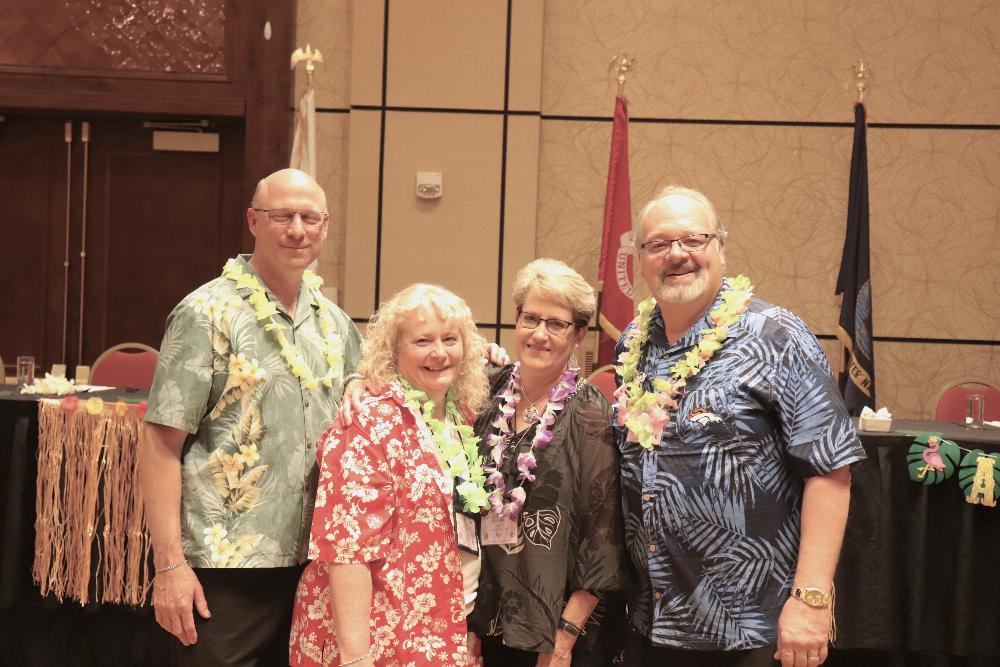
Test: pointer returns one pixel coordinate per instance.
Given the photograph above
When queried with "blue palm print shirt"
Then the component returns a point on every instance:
(712, 513)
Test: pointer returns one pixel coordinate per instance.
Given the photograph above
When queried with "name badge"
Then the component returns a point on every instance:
(465, 532)
(498, 530)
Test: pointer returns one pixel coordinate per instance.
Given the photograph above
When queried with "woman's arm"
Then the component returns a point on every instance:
(350, 605)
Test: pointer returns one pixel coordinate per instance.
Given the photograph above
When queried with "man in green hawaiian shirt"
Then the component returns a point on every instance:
(248, 378)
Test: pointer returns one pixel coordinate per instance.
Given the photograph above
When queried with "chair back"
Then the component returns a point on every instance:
(952, 401)
(125, 365)
(604, 379)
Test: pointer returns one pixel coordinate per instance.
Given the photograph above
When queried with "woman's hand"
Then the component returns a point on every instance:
(553, 660)
(496, 355)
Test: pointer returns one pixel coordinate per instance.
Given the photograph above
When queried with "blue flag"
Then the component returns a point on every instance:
(854, 283)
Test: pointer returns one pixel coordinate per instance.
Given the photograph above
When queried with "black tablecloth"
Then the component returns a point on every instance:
(918, 582)
(36, 631)
(920, 567)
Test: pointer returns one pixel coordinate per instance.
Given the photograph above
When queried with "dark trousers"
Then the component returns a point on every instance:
(251, 619)
(495, 654)
(641, 652)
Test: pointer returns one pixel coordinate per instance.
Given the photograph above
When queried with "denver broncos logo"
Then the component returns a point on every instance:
(704, 417)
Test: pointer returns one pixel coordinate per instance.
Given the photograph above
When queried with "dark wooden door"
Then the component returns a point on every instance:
(156, 225)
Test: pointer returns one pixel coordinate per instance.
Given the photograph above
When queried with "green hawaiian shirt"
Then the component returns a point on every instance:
(248, 469)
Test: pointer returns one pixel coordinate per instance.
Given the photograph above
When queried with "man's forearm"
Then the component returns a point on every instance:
(160, 476)
(825, 504)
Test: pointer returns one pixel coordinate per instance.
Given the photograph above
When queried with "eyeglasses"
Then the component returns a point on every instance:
(284, 216)
(554, 326)
(690, 243)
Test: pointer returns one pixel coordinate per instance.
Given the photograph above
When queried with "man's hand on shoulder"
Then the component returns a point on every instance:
(174, 593)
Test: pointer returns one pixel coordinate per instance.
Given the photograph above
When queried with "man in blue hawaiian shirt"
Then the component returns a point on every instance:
(735, 516)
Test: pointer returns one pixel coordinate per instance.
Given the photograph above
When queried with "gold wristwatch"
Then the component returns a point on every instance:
(814, 597)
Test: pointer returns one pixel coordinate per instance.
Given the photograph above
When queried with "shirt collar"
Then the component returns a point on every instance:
(306, 296)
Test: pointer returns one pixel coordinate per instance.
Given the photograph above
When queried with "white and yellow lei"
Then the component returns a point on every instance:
(265, 310)
(645, 413)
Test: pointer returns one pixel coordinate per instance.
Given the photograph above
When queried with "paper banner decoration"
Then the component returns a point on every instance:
(979, 477)
(932, 459)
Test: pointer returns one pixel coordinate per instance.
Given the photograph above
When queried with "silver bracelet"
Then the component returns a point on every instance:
(355, 661)
(174, 566)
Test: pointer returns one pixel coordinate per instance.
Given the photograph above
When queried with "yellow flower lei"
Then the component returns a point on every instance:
(333, 345)
(643, 412)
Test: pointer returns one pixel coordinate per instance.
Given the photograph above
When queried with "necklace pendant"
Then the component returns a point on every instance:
(530, 414)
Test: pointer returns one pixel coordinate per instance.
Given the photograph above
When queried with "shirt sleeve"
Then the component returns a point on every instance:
(355, 499)
(182, 382)
(599, 562)
(818, 432)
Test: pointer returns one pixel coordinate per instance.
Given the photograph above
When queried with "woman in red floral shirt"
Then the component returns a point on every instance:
(385, 586)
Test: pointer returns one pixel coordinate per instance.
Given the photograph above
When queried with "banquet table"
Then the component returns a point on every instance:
(918, 571)
(917, 584)
(37, 629)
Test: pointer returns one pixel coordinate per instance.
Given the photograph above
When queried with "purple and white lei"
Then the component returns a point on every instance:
(506, 503)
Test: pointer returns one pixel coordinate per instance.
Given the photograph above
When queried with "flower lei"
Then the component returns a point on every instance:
(333, 345)
(643, 412)
(460, 455)
(499, 440)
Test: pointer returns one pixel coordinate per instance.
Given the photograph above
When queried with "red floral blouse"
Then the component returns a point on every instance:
(383, 500)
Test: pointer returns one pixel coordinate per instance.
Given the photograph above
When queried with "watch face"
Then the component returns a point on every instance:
(814, 597)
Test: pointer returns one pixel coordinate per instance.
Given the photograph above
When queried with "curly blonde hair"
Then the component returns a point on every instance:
(380, 350)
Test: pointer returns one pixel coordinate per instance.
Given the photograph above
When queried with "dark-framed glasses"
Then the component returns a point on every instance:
(554, 326)
(689, 243)
(284, 216)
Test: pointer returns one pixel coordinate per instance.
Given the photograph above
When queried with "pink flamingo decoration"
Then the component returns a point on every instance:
(931, 457)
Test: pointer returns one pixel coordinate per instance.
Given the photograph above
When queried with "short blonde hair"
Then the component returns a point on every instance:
(381, 346)
(677, 190)
(556, 281)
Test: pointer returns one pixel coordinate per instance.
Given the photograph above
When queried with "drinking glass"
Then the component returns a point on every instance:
(26, 370)
(974, 408)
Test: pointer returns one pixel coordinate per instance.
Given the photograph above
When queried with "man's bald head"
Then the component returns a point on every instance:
(285, 178)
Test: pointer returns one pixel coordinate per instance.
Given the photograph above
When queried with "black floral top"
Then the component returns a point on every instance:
(570, 533)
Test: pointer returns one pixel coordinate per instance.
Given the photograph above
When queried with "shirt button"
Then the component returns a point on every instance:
(306, 403)
(646, 497)
(657, 595)
(652, 548)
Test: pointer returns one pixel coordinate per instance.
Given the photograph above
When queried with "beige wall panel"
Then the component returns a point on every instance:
(332, 140)
(934, 61)
(447, 54)
(781, 192)
(935, 209)
(909, 377)
(521, 205)
(362, 213)
(451, 240)
(367, 18)
(326, 25)
(509, 342)
(526, 30)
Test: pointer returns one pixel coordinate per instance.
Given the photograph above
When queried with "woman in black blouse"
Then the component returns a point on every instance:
(549, 592)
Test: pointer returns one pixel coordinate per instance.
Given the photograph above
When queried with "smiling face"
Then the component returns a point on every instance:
(290, 247)
(429, 352)
(538, 349)
(680, 276)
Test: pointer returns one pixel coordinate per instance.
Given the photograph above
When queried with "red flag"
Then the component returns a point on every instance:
(615, 308)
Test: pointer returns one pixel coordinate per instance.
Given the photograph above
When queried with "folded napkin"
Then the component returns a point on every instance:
(868, 413)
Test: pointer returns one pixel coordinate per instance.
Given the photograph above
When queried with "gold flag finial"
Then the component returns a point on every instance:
(862, 73)
(621, 64)
(310, 56)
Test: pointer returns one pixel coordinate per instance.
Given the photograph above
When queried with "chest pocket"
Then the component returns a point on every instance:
(707, 413)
